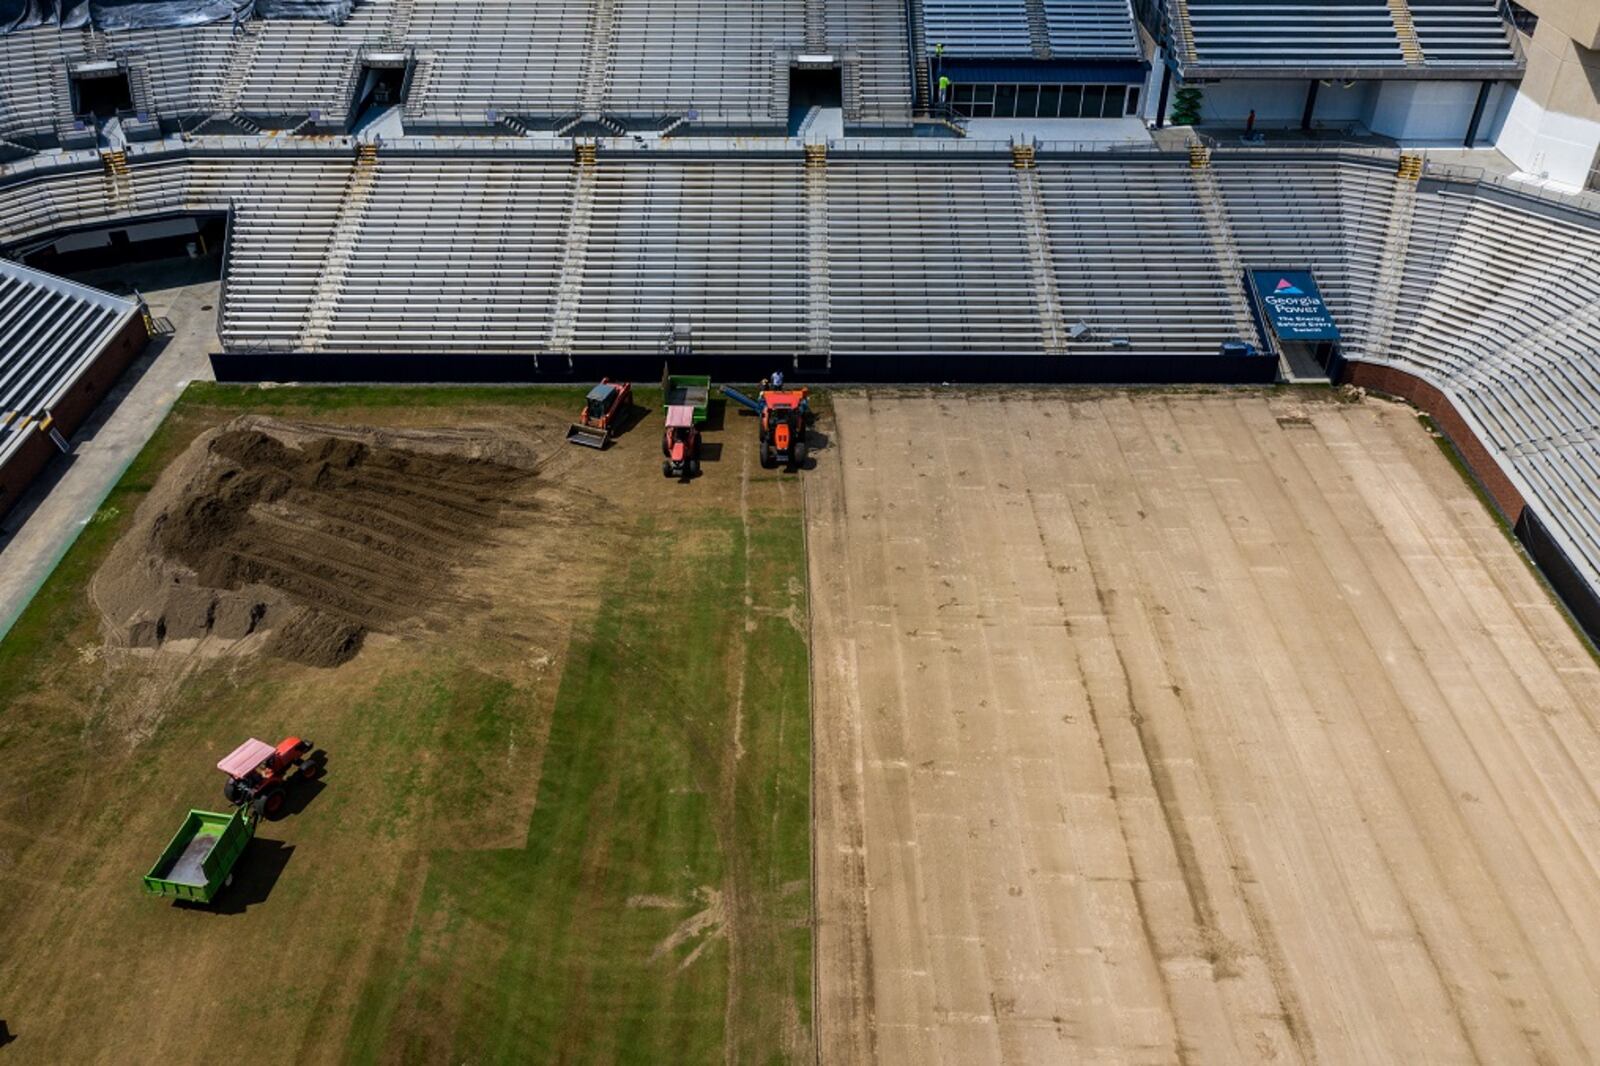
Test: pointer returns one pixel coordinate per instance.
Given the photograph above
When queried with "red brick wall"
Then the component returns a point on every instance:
(1425, 396)
(75, 405)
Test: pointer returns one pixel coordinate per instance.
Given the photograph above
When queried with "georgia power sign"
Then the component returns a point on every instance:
(1294, 306)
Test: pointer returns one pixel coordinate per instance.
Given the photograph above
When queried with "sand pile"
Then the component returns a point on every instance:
(298, 539)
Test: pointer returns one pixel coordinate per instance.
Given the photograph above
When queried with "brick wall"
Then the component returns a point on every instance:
(1425, 396)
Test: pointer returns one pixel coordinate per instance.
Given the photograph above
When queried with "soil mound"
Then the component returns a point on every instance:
(301, 539)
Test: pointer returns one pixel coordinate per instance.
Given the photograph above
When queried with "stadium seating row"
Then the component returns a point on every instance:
(725, 60)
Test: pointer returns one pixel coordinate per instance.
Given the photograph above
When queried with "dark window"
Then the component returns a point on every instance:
(1112, 108)
(1133, 100)
(1071, 97)
(1094, 98)
(1005, 101)
(1027, 101)
(1049, 101)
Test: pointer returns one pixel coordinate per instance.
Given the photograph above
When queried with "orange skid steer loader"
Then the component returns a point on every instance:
(604, 410)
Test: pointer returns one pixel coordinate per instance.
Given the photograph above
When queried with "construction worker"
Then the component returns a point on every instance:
(777, 379)
(944, 89)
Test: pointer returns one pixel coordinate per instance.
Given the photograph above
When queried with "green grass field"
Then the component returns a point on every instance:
(603, 857)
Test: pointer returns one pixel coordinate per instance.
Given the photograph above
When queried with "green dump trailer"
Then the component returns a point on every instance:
(687, 390)
(200, 859)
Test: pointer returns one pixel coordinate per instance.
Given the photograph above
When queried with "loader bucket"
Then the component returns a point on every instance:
(588, 436)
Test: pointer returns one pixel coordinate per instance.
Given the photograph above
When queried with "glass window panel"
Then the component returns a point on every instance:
(1049, 101)
(1133, 100)
(1094, 98)
(1071, 97)
(1027, 101)
(1005, 101)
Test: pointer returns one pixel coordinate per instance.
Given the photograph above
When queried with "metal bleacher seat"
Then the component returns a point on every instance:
(1323, 33)
(717, 57)
(28, 98)
(977, 27)
(928, 257)
(873, 34)
(513, 56)
(1133, 257)
(715, 248)
(1092, 28)
(1454, 32)
(453, 254)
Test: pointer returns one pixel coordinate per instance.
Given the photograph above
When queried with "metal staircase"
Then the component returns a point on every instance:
(341, 247)
(818, 312)
(575, 252)
(1406, 30)
(1392, 267)
(1041, 258)
(247, 43)
(919, 59)
(140, 91)
(1215, 215)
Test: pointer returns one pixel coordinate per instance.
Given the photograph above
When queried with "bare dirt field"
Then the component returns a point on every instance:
(1190, 728)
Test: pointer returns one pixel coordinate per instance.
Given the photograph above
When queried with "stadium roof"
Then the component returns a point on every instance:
(1341, 39)
(50, 331)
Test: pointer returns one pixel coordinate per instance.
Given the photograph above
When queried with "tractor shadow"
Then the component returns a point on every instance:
(299, 794)
(710, 451)
(254, 877)
(717, 416)
(6, 1035)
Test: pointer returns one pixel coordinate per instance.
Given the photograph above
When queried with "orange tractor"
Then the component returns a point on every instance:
(784, 416)
(604, 410)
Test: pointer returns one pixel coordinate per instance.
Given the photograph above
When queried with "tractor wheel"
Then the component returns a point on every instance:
(800, 456)
(310, 771)
(666, 469)
(694, 468)
(273, 802)
(769, 459)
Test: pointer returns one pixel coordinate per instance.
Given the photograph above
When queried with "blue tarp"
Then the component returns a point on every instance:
(162, 14)
(18, 15)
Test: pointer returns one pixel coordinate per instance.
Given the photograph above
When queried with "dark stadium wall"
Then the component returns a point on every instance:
(991, 369)
(70, 412)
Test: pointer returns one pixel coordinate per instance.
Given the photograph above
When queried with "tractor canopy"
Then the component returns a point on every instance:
(246, 757)
(680, 416)
(599, 400)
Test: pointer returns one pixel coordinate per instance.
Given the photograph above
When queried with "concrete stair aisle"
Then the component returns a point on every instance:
(1215, 215)
(346, 233)
(818, 310)
(1041, 257)
(1405, 29)
(919, 60)
(118, 179)
(816, 23)
(575, 250)
(399, 26)
(139, 89)
(1392, 267)
(1183, 31)
(597, 61)
(1038, 29)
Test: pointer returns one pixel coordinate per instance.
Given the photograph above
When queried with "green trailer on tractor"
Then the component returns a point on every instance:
(199, 862)
(686, 390)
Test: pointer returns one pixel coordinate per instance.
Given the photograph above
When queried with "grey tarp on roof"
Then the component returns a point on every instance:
(334, 11)
(26, 14)
(160, 14)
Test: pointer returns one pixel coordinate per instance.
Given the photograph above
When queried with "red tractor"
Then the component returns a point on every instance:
(258, 773)
(680, 445)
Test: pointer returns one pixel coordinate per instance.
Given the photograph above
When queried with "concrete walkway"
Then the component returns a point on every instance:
(48, 518)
